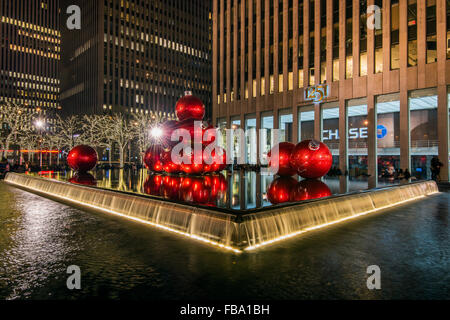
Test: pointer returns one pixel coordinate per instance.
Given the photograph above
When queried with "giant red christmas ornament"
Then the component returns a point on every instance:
(215, 161)
(83, 178)
(168, 165)
(310, 189)
(82, 158)
(152, 158)
(282, 162)
(196, 165)
(280, 190)
(311, 159)
(190, 107)
(191, 130)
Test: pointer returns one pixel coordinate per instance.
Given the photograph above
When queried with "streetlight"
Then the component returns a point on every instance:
(40, 126)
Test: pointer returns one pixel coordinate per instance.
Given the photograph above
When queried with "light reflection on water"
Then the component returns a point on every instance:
(40, 238)
(239, 190)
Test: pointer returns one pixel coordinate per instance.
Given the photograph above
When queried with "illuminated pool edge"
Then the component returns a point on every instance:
(240, 235)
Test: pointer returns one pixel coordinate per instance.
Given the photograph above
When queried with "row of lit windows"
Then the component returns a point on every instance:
(39, 37)
(41, 53)
(26, 76)
(30, 26)
(161, 42)
(37, 95)
(36, 86)
(27, 103)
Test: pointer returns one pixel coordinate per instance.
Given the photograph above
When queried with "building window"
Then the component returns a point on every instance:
(395, 35)
(330, 129)
(266, 136)
(286, 125)
(250, 140)
(357, 137)
(388, 135)
(306, 123)
(431, 31)
(236, 137)
(423, 131)
(222, 125)
(412, 33)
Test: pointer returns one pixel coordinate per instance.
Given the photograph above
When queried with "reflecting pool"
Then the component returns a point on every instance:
(233, 191)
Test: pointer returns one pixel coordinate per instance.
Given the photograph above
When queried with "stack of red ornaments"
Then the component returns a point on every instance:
(158, 158)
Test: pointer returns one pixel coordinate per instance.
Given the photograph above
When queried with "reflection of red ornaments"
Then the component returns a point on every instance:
(82, 158)
(153, 184)
(311, 159)
(83, 178)
(287, 189)
(280, 190)
(282, 162)
(190, 107)
(310, 189)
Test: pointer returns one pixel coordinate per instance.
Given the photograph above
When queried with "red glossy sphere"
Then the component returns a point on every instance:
(190, 107)
(168, 165)
(282, 162)
(196, 165)
(215, 162)
(83, 178)
(152, 158)
(82, 158)
(311, 159)
(191, 130)
(280, 190)
(310, 189)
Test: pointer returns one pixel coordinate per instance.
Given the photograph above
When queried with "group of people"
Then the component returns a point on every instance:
(390, 172)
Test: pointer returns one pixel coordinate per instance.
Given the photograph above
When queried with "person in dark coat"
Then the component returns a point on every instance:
(435, 168)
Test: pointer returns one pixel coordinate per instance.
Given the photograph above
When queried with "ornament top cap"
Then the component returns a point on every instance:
(188, 93)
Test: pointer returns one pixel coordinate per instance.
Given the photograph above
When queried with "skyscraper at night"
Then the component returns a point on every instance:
(371, 79)
(30, 54)
(136, 56)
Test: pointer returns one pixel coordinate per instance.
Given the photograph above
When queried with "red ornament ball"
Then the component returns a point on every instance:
(152, 158)
(191, 130)
(82, 158)
(282, 162)
(280, 190)
(190, 107)
(310, 189)
(311, 159)
(196, 165)
(168, 165)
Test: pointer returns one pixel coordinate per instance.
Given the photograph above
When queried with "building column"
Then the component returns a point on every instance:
(443, 111)
(317, 122)
(405, 157)
(372, 141)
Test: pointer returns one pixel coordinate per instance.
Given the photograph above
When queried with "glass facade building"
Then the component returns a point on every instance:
(385, 67)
